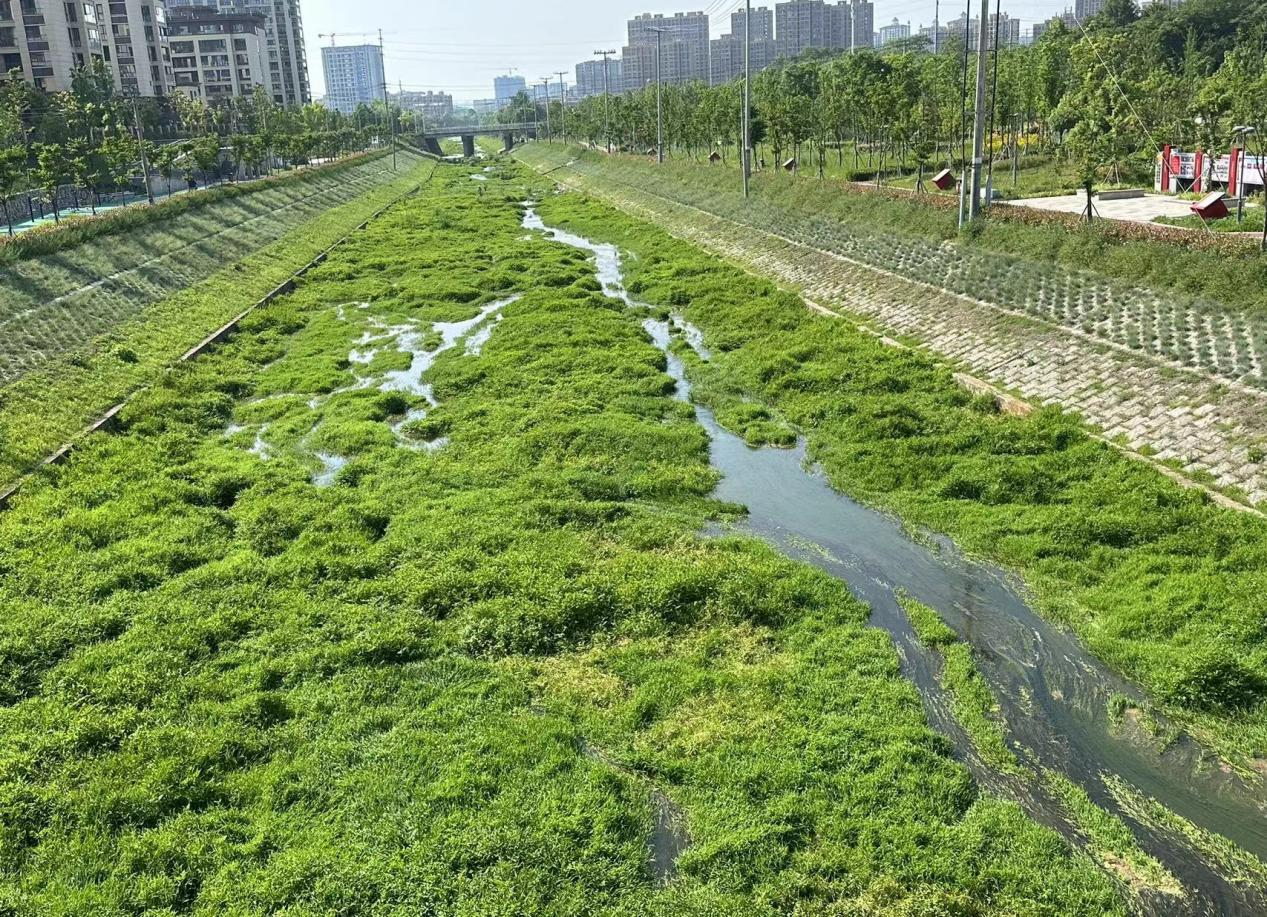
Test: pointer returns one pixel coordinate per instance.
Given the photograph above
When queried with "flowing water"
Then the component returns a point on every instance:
(409, 338)
(1054, 696)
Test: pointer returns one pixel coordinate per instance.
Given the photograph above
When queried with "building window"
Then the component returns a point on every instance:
(6, 9)
(8, 38)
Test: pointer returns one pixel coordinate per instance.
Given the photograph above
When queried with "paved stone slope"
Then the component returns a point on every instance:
(1215, 429)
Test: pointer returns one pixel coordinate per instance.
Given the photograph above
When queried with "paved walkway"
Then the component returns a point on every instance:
(1213, 429)
(1144, 209)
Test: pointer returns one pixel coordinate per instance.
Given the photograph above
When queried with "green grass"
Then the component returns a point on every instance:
(829, 214)
(56, 303)
(1110, 840)
(106, 341)
(972, 700)
(928, 625)
(1158, 582)
(457, 681)
(1253, 221)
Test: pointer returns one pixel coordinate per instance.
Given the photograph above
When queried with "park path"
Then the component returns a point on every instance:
(1213, 430)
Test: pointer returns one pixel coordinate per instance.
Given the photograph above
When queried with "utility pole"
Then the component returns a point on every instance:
(387, 109)
(978, 127)
(936, 26)
(607, 97)
(746, 155)
(563, 106)
(140, 143)
(546, 83)
(659, 93)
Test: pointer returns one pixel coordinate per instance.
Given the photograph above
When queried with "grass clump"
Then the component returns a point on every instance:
(928, 625)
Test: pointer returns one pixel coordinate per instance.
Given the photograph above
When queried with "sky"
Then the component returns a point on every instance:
(458, 46)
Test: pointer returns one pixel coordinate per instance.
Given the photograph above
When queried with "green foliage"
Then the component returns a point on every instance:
(457, 680)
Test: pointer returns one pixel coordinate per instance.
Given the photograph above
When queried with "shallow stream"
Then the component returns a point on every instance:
(1054, 696)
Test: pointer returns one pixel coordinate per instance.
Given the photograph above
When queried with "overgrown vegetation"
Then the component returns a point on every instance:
(1158, 582)
(460, 678)
(87, 325)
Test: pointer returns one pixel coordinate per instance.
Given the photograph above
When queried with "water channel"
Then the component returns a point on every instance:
(1054, 696)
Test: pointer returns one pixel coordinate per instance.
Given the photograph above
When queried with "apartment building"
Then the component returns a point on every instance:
(46, 42)
(505, 88)
(1007, 29)
(354, 76)
(134, 36)
(218, 56)
(726, 53)
(862, 17)
(591, 81)
(433, 106)
(894, 31)
(683, 41)
(288, 78)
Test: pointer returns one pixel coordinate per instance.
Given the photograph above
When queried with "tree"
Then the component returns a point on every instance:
(1119, 13)
(206, 155)
(12, 172)
(50, 172)
(165, 159)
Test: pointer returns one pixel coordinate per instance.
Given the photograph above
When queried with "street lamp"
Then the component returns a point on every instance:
(1241, 132)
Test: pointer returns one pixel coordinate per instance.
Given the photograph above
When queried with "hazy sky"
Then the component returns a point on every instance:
(460, 45)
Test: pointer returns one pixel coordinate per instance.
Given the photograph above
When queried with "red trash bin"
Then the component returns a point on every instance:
(944, 180)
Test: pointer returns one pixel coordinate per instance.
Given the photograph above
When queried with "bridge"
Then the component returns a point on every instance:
(429, 140)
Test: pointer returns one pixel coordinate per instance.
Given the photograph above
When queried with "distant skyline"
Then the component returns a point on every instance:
(460, 47)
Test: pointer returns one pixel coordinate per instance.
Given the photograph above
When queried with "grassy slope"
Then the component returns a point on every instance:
(453, 682)
(1158, 582)
(49, 404)
(1235, 279)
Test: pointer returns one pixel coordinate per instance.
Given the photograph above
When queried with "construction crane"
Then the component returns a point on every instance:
(333, 35)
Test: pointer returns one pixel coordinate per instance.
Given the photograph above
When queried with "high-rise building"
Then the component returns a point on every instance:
(217, 56)
(683, 41)
(1007, 28)
(799, 26)
(1085, 9)
(591, 81)
(505, 88)
(726, 53)
(288, 79)
(354, 76)
(863, 23)
(894, 31)
(134, 39)
(47, 40)
(839, 26)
